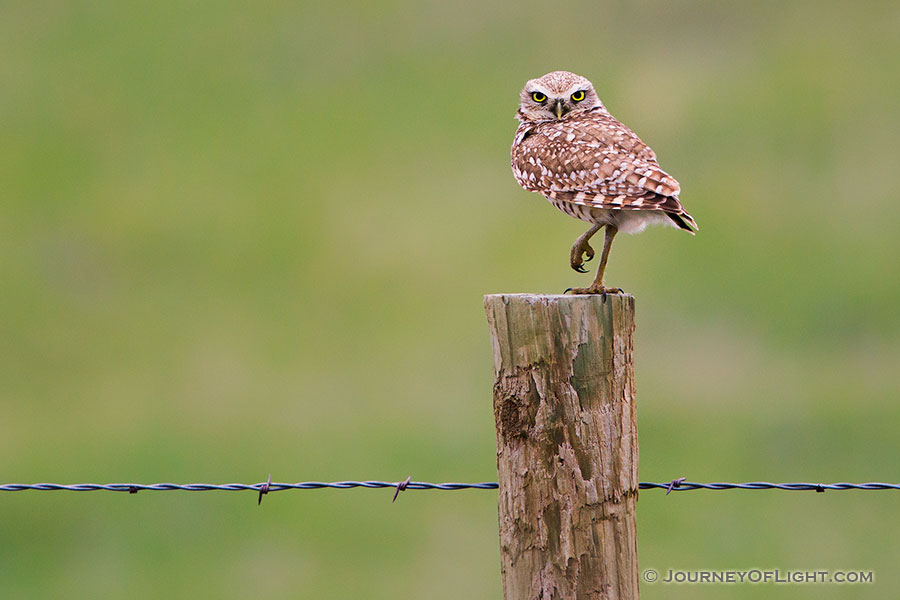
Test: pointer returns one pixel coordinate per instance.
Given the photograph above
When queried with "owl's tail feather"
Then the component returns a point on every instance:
(684, 221)
(672, 206)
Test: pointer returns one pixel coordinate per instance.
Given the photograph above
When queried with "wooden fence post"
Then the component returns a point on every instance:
(567, 447)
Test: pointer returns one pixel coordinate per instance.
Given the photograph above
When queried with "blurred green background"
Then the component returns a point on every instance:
(239, 239)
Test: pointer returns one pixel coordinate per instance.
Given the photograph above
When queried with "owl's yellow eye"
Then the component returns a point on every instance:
(578, 96)
(538, 97)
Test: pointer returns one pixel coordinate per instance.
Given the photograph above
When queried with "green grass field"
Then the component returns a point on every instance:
(239, 239)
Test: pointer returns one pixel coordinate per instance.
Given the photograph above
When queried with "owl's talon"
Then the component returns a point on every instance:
(599, 290)
(580, 254)
(588, 253)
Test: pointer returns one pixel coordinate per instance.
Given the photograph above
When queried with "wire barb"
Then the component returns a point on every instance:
(674, 484)
(400, 487)
(264, 489)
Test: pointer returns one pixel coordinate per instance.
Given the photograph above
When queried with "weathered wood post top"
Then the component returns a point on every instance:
(567, 448)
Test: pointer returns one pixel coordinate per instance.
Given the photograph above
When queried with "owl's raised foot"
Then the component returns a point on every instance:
(580, 254)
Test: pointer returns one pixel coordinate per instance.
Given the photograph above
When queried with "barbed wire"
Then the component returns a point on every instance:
(681, 485)
(677, 485)
(234, 487)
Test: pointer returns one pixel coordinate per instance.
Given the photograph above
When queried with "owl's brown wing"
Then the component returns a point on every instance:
(592, 159)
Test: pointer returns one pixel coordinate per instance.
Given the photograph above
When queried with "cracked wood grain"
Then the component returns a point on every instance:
(567, 448)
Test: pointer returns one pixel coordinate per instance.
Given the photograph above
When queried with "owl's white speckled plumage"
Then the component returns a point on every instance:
(569, 149)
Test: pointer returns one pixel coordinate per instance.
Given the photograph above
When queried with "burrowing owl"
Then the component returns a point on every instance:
(569, 149)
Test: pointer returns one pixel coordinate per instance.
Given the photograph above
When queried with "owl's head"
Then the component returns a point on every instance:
(556, 95)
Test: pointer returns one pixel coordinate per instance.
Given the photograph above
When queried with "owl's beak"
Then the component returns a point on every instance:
(558, 109)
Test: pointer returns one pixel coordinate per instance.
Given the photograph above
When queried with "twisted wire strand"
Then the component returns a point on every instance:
(686, 486)
(233, 487)
(265, 487)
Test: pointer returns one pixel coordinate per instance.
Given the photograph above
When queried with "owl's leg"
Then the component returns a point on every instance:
(597, 287)
(583, 248)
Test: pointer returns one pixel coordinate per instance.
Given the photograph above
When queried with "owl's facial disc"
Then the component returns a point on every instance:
(557, 96)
